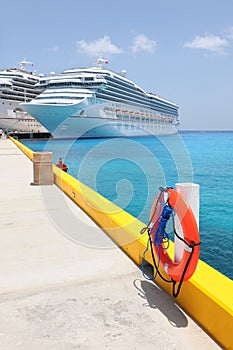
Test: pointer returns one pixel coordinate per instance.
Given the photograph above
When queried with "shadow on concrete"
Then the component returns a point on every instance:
(158, 299)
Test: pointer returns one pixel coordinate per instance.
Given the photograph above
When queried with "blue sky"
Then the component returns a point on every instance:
(181, 50)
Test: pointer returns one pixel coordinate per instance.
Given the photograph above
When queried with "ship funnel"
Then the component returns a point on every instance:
(23, 63)
(100, 62)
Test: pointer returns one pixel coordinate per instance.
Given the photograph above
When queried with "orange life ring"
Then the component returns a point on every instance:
(190, 232)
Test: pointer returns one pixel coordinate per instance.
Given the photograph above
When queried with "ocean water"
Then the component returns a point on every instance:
(129, 172)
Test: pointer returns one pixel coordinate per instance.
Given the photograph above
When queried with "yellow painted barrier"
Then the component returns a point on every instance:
(207, 297)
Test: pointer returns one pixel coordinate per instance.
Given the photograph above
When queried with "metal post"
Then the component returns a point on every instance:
(190, 193)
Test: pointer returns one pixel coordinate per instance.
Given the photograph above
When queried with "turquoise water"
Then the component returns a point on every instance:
(129, 171)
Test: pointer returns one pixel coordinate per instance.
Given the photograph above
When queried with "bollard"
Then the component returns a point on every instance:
(190, 193)
(42, 168)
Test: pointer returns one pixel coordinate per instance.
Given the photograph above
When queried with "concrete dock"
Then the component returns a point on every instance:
(65, 285)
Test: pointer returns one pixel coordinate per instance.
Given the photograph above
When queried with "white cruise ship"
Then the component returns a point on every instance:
(18, 85)
(96, 102)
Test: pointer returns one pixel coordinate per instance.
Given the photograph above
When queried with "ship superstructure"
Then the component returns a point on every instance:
(18, 85)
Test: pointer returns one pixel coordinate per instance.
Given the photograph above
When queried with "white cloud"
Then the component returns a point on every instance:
(209, 42)
(99, 47)
(230, 34)
(53, 49)
(142, 43)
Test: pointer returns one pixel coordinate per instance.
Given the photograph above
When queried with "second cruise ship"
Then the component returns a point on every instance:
(97, 102)
(18, 85)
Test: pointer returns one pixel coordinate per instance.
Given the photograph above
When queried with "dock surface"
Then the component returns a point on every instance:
(65, 285)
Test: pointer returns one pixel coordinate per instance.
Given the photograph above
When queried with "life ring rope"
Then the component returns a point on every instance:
(161, 212)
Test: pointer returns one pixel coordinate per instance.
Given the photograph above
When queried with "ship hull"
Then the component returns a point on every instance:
(89, 119)
(20, 121)
(99, 127)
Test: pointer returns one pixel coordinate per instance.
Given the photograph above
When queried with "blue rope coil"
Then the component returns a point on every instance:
(160, 235)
